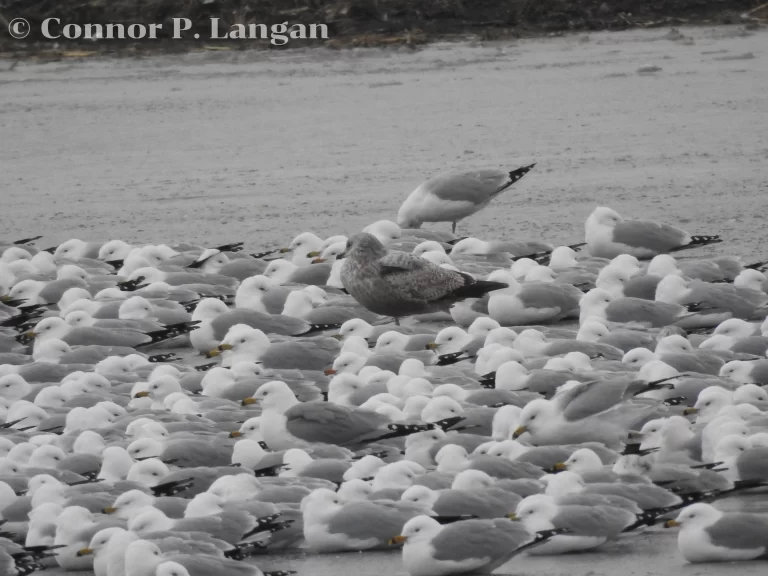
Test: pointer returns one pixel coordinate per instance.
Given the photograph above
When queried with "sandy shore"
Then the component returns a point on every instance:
(254, 146)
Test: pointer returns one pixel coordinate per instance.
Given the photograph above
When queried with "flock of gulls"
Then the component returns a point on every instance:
(177, 410)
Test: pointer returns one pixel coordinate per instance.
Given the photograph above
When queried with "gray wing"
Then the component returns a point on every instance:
(752, 464)
(501, 468)
(479, 539)
(594, 398)
(482, 505)
(659, 314)
(267, 323)
(599, 521)
(91, 335)
(647, 496)
(315, 274)
(476, 186)
(549, 295)
(367, 520)
(301, 355)
(331, 424)
(642, 287)
(195, 453)
(740, 531)
(660, 238)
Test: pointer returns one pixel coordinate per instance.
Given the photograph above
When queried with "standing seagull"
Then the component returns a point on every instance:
(455, 196)
(400, 284)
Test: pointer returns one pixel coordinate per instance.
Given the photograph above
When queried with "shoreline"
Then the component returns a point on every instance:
(353, 31)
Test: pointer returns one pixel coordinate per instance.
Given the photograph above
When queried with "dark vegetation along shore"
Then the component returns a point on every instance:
(354, 22)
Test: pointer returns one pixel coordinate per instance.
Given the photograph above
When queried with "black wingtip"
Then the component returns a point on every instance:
(27, 240)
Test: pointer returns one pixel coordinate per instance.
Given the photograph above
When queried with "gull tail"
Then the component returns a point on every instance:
(243, 551)
(514, 176)
(315, 328)
(172, 488)
(233, 247)
(540, 538)
(157, 358)
(131, 285)
(451, 519)
(475, 288)
(26, 240)
(698, 241)
(453, 358)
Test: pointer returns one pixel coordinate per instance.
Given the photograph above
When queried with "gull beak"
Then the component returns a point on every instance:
(236, 433)
(224, 347)
(285, 250)
(560, 466)
(109, 510)
(212, 353)
(338, 337)
(84, 552)
(319, 260)
(671, 524)
(329, 371)
(5, 298)
(635, 435)
(513, 517)
(519, 432)
(313, 254)
(689, 411)
(248, 402)
(142, 394)
(432, 346)
(398, 540)
(30, 334)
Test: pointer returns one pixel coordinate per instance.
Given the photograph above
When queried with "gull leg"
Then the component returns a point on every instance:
(453, 227)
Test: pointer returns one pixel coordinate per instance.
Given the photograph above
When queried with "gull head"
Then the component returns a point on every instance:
(536, 512)
(534, 417)
(698, 516)
(604, 217)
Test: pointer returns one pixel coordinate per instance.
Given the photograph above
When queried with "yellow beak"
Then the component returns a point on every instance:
(212, 353)
(248, 401)
(236, 433)
(223, 347)
(432, 346)
(142, 394)
(671, 524)
(689, 411)
(313, 254)
(30, 334)
(513, 516)
(109, 510)
(84, 552)
(398, 540)
(519, 432)
(329, 371)
(5, 298)
(285, 250)
(560, 466)
(319, 260)
(338, 337)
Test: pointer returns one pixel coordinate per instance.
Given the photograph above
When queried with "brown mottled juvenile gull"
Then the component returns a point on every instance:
(455, 196)
(607, 235)
(400, 284)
